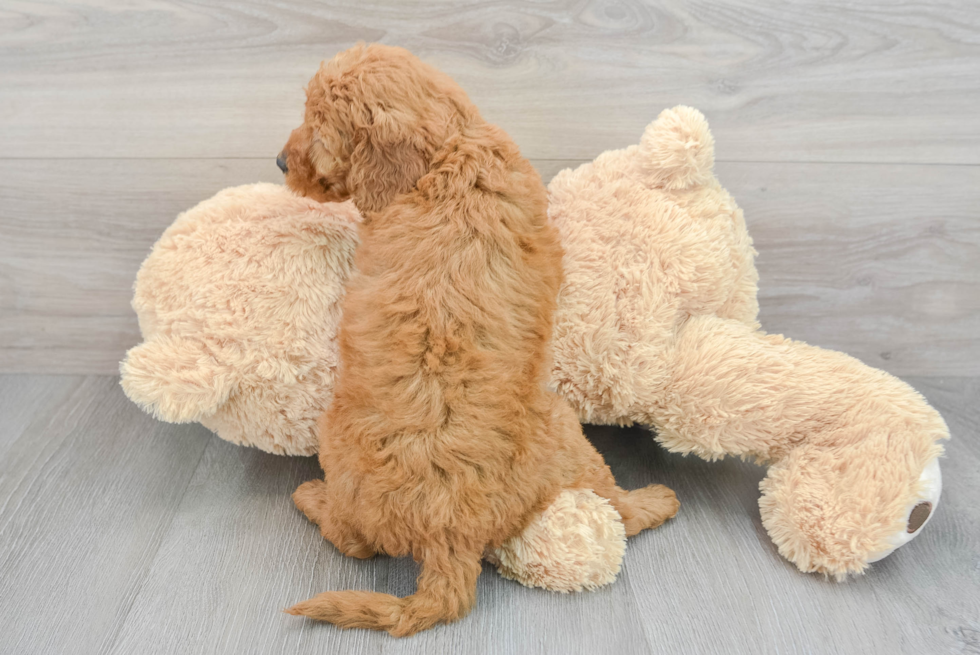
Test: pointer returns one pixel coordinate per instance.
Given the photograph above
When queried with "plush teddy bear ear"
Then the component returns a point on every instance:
(678, 150)
(176, 380)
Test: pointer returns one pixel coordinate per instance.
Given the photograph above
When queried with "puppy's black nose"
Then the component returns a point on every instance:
(281, 162)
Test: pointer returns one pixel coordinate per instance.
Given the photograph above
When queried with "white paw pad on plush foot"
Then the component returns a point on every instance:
(918, 512)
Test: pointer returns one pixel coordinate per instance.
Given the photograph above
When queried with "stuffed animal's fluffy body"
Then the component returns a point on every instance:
(656, 323)
(239, 305)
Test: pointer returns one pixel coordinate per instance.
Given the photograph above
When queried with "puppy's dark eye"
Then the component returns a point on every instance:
(323, 183)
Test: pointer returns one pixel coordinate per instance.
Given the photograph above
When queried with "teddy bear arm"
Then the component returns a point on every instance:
(834, 510)
(734, 390)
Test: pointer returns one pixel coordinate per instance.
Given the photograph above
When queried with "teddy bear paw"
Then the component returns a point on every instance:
(576, 544)
(917, 513)
(835, 510)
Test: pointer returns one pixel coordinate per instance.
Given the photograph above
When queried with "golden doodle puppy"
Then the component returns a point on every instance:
(443, 439)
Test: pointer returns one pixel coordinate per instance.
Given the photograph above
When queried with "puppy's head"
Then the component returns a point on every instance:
(375, 116)
(314, 166)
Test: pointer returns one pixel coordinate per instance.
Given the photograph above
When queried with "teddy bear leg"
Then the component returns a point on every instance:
(312, 498)
(177, 380)
(834, 510)
(849, 445)
(727, 391)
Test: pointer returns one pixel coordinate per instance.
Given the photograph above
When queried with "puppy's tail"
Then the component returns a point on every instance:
(446, 592)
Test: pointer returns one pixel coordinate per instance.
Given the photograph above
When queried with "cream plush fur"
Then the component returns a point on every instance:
(239, 304)
(656, 324)
(577, 544)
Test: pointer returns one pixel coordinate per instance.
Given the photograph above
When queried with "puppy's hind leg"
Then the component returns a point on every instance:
(312, 498)
(640, 509)
(645, 508)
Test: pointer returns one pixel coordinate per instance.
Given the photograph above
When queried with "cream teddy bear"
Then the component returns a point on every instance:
(656, 324)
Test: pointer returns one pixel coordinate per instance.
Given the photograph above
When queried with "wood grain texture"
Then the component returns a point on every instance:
(880, 261)
(117, 536)
(69, 254)
(834, 80)
(239, 552)
(87, 490)
(115, 117)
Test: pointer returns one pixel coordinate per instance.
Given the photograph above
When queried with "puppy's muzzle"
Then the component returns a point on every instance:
(281, 162)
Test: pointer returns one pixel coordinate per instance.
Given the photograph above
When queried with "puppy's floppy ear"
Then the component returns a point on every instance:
(390, 153)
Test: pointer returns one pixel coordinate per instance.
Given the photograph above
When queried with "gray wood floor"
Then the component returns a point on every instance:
(847, 131)
(122, 535)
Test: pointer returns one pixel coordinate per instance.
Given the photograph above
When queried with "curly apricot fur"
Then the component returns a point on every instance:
(442, 439)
